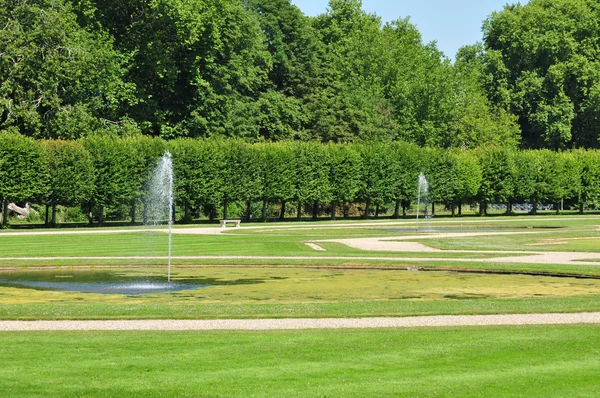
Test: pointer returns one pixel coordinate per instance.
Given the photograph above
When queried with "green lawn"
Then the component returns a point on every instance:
(337, 292)
(526, 361)
(251, 292)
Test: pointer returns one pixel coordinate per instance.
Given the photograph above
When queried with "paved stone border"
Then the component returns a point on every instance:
(295, 324)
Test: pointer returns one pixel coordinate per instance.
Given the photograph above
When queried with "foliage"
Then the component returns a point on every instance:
(23, 168)
(197, 170)
(70, 172)
(57, 79)
(498, 174)
(312, 173)
(116, 181)
(542, 64)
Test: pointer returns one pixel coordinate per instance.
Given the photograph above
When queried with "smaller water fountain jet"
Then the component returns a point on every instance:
(160, 195)
(422, 194)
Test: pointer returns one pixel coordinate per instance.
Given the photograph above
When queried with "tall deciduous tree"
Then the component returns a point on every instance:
(542, 60)
(116, 182)
(197, 168)
(56, 78)
(344, 175)
(23, 170)
(70, 174)
(199, 65)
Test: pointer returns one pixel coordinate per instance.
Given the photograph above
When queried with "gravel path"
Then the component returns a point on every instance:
(293, 324)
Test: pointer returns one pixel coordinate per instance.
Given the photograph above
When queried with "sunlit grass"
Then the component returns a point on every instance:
(299, 292)
(544, 361)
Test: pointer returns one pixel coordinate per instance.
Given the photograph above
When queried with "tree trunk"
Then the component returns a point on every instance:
(534, 209)
(482, 206)
(282, 214)
(132, 212)
(377, 210)
(432, 209)
(248, 210)
(453, 208)
(101, 215)
(345, 209)
(509, 208)
(581, 208)
(460, 208)
(47, 215)
(405, 207)
(54, 214)
(367, 208)
(333, 210)
(263, 213)
(315, 210)
(5, 212)
(145, 213)
(186, 212)
(397, 209)
(90, 215)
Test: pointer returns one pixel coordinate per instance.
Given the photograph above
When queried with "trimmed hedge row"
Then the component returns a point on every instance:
(106, 172)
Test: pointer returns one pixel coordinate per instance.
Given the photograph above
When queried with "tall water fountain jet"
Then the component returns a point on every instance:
(160, 197)
(422, 194)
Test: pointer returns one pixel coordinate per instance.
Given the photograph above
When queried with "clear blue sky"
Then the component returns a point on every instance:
(452, 24)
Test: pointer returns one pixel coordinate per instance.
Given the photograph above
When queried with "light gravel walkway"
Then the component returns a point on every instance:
(294, 324)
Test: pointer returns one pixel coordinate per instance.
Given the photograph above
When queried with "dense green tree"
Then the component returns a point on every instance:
(350, 102)
(312, 175)
(145, 153)
(199, 66)
(70, 174)
(454, 177)
(379, 171)
(409, 166)
(116, 182)
(536, 177)
(197, 168)
(344, 175)
(418, 81)
(567, 179)
(588, 183)
(56, 78)
(278, 176)
(542, 61)
(23, 170)
(240, 174)
(478, 122)
(498, 176)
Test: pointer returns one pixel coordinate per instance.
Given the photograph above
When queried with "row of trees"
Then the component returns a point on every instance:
(102, 172)
(258, 70)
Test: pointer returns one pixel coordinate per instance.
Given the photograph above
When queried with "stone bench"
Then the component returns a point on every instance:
(236, 223)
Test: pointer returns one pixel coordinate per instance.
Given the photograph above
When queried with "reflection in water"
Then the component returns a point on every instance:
(108, 282)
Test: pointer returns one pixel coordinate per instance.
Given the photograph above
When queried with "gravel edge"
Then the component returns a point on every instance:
(295, 324)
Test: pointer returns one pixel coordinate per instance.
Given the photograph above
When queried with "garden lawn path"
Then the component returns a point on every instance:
(309, 323)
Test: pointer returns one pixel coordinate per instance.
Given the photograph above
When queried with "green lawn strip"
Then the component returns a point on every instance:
(155, 244)
(531, 361)
(471, 265)
(373, 308)
(565, 241)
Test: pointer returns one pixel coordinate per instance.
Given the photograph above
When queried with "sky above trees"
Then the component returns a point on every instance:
(452, 24)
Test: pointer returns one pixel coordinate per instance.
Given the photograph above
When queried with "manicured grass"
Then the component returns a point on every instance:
(299, 292)
(190, 310)
(329, 295)
(528, 361)
(562, 241)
